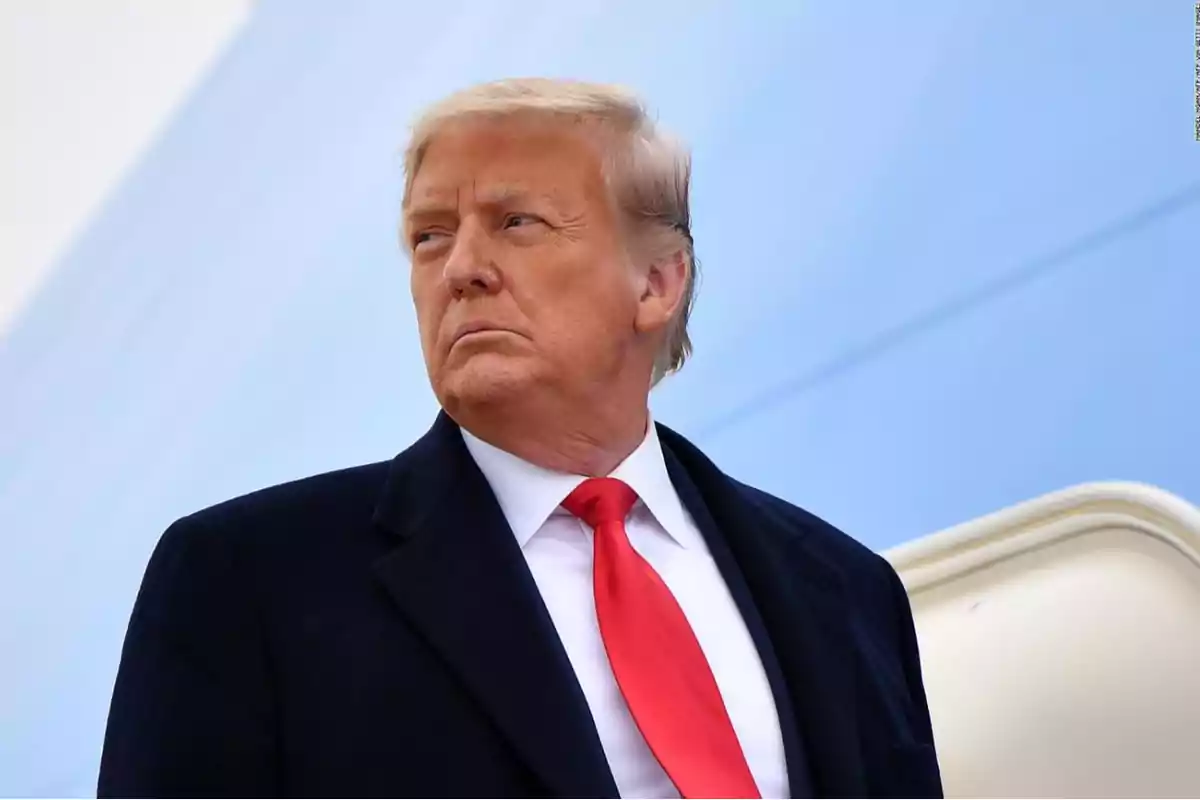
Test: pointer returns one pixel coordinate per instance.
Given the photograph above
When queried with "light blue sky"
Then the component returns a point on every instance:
(950, 258)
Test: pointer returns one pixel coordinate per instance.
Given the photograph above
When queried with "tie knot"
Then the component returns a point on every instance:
(598, 501)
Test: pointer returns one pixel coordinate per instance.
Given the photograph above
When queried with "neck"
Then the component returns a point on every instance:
(591, 444)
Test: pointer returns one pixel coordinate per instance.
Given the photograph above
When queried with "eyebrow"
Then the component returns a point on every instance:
(442, 204)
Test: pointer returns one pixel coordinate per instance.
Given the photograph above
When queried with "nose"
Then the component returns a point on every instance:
(469, 270)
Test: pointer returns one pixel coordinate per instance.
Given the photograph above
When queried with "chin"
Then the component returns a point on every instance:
(484, 380)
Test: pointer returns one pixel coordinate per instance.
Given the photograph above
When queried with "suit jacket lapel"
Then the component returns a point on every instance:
(458, 575)
(799, 597)
(799, 776)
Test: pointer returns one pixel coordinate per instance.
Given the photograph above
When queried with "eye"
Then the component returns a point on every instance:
(426, 237)
(521, 220)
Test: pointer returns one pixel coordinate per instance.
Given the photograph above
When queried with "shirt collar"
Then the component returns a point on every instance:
(528, 494)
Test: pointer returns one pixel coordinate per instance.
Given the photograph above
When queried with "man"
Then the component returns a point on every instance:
(547, 594)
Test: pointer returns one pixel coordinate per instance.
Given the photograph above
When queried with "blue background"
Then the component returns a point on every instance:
(950, 263)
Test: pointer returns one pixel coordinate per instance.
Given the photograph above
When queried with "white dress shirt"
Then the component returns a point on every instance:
(558, 549)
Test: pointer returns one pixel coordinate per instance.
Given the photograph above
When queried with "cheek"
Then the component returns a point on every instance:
(422, 281)
(589, 283)
(430, 308)
(611, 295)
(594, 314)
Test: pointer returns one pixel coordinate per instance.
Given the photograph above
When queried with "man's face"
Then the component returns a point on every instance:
(519, 276)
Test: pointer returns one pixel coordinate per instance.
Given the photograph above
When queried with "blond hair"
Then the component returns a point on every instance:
(648, 172)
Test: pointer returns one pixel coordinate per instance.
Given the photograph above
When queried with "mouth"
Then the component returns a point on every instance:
(479, 329)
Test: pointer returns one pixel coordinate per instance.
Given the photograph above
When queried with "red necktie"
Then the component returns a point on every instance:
(658, 664)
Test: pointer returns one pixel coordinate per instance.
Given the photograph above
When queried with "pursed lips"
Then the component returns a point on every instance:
(468, 328)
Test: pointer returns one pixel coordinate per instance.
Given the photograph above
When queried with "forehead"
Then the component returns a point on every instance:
(491, 160)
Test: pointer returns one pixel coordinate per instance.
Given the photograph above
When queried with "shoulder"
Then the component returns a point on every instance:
(838, 550)
(870, 585)
(291, 517)
(851, 557)
(346, 492)
(873, 585)
(257, 551)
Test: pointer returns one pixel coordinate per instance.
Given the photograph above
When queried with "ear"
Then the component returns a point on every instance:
(662, 286)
